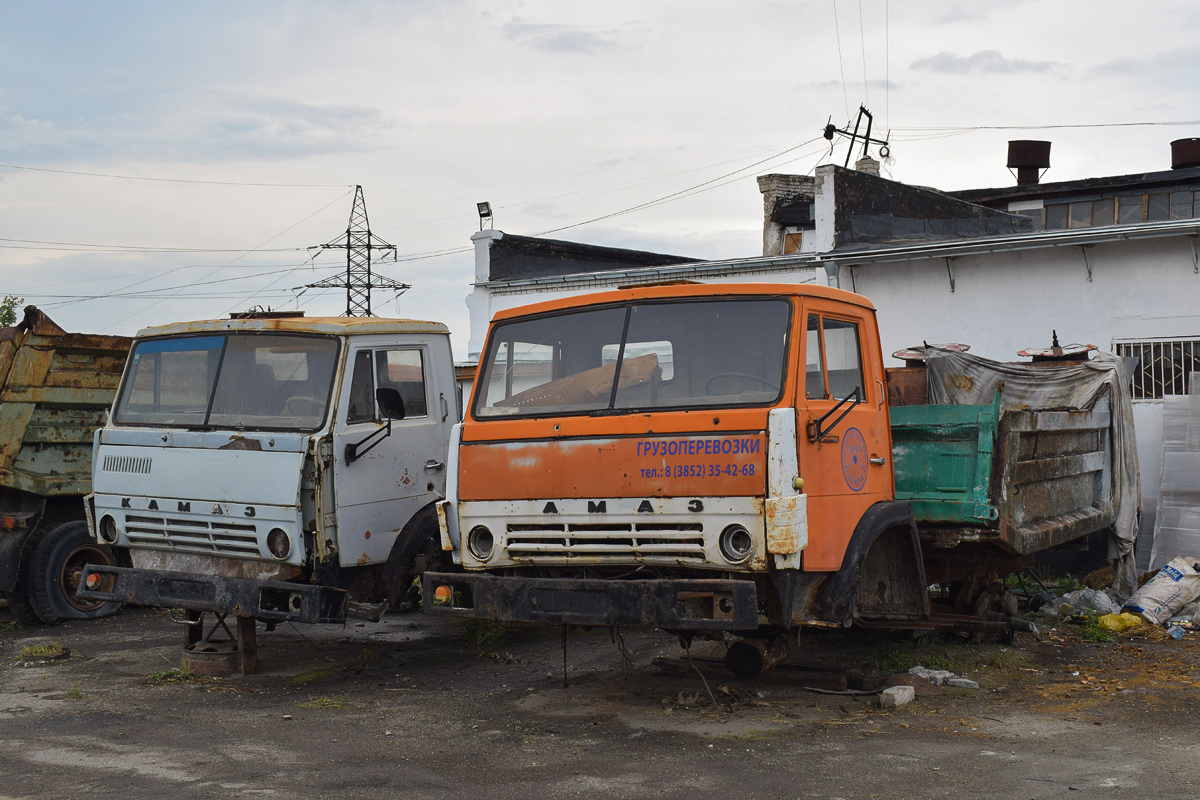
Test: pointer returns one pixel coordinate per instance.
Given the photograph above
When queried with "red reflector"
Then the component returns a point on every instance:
(92, 581)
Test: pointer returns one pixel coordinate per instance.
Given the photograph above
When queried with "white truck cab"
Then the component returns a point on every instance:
(274, 467)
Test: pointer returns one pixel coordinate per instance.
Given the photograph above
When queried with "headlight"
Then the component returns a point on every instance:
(736, 544)
(278, 543)
(481, 542)
(108, 531)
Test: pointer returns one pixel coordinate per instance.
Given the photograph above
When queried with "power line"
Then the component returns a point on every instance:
(970, 128)
(171, 180)
(838, 31)
(678, 194)
(236, 258)
(862, 41)
(92, 247)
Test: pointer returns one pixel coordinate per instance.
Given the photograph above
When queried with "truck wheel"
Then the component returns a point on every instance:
(55, 568)
(21, 608)
(18, 598)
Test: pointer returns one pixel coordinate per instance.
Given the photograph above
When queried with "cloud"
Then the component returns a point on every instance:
(989, 61)
(1170, 61)
(557, 38)
(203, 126)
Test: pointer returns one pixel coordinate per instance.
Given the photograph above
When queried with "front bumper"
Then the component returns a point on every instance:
(702, 604)
(272, 601)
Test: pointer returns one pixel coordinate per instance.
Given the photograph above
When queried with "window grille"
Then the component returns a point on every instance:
(1162, 367)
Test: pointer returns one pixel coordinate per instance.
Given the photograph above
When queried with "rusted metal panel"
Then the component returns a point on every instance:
(274, 601)
(54, 388)
(787, 524)
(700, 604)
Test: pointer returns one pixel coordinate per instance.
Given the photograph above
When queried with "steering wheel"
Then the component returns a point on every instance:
(301, 406)
(761, 381)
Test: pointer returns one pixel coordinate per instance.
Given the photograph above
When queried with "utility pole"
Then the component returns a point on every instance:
(359, 242)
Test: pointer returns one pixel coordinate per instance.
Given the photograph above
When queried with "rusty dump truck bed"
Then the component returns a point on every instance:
(54, 389)
(1023, 480)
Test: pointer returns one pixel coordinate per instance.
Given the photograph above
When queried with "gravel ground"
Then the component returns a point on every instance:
(419, 707)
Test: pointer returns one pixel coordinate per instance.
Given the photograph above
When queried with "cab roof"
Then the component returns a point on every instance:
(673, 291)
(338, 326)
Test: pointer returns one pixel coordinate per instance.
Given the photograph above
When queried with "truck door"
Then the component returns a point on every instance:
(392, 476)
(842, 428)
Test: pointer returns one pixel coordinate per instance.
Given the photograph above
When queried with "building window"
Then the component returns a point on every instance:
(1103, 211)
(1161, 368)
(1158, 207)
(1181, 205)
(1130, 209)
(1056, 217)
(1081, 215)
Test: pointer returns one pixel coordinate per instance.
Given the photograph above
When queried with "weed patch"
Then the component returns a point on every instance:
(332, 701)
(171, 677)
(47, 650)
(482, 635)
(315, 676)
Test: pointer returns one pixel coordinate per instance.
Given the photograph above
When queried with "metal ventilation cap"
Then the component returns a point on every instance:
(1028, 157)
(1185, 153)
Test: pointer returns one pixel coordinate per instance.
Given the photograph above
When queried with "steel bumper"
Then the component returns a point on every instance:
(272, 601)
(672, 604)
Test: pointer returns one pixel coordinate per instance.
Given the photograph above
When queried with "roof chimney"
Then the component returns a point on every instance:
(868, 165)
(1028, 157)
(1185, 153)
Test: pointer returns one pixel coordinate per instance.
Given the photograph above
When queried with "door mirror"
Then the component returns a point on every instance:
(391, 404)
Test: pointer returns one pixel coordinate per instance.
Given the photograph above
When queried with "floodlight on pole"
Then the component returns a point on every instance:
(485, 213)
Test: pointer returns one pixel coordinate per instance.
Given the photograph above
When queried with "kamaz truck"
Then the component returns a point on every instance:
(55, 388)
(275, 468)
(706, 458)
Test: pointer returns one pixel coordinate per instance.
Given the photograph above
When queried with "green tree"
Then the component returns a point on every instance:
(8, 310)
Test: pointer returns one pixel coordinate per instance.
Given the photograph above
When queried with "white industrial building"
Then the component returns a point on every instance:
(1112, 262)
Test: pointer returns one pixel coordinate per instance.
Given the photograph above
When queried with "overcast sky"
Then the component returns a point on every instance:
(555, 112)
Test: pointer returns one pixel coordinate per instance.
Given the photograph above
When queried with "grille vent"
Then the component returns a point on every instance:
(138, 465)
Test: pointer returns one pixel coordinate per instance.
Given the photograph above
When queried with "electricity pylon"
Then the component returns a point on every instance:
(359, 243)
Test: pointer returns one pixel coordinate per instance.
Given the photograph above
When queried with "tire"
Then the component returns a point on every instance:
(21, 608)
(55, 564)
(18, 598)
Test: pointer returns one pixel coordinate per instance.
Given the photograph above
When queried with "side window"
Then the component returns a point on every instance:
(404, 371)
(843, 358)
(362, 390)
(814, 378)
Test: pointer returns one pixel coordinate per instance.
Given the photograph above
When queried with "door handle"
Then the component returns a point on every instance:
(433, 466)
(880, 460)
(445, 406)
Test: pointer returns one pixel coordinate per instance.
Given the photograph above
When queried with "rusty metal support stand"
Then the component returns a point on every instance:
(218, 650)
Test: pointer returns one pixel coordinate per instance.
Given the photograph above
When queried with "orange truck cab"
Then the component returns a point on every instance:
(691, 457)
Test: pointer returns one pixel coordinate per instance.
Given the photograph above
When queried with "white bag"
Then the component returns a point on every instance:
(1175, 585)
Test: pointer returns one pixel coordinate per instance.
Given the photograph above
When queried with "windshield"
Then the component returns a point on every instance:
(245, 381)
(673, 354)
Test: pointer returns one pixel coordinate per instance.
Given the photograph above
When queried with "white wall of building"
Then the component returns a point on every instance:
(1005, 302)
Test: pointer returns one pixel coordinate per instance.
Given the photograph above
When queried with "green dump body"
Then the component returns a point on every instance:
(54, 389)
(1024, 480)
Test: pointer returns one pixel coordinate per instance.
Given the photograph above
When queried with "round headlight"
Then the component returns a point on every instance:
(278, 543)
(480, 542)
(108, 530)
(736, 544)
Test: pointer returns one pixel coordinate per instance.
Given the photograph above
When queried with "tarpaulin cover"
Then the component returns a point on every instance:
(965, 379)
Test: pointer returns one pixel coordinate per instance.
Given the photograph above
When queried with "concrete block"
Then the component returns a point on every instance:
(896, 696)
(962, 683)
